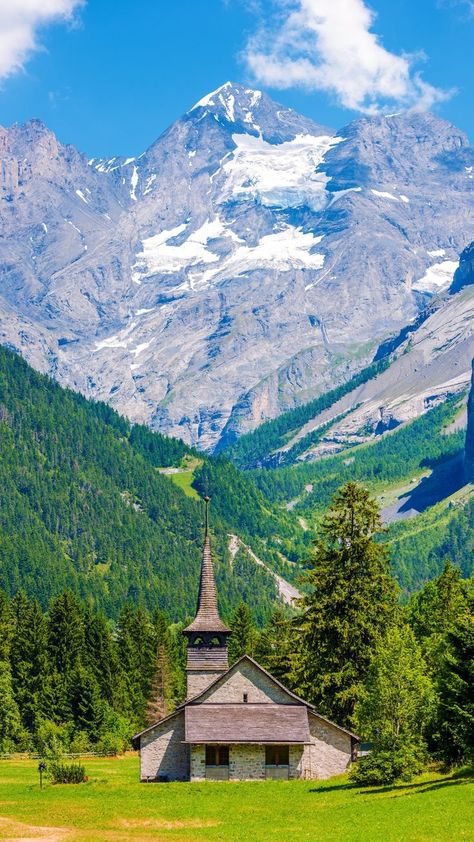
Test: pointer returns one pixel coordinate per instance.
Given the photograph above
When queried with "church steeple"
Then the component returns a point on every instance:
(207, 634)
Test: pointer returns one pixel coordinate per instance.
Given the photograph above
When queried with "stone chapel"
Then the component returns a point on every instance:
(238, 722)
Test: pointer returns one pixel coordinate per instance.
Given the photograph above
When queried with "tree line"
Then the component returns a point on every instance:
(70, 681)
(402, 676)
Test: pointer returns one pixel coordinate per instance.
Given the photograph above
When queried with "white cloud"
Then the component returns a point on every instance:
(20, 21)
(328, 45)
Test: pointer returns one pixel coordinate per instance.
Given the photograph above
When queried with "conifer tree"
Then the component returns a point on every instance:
(243, 638)
(432, 611)
(29, 660)
(456, 691)
(11, 731)
(136, 645)
(87, 707)
(6, 626)
(159, 703)
(100, 655)
(65, 633)
(275, 648)
(351, 599)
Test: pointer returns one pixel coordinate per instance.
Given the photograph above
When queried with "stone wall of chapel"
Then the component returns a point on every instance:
(247, 763)
(198, 680)
(330, 750)
(198, 763)
(163, 753)
(246, 678)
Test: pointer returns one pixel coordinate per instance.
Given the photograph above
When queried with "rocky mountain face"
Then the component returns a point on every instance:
(431, 363)
(469, 450)
(247, 261)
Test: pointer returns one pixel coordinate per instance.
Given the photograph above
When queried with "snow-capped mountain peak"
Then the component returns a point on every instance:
(248, 257)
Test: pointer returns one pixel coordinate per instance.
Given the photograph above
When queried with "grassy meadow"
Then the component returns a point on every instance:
(114, 806)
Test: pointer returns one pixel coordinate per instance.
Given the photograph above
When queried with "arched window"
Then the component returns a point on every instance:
(198, 641)
(215, 641)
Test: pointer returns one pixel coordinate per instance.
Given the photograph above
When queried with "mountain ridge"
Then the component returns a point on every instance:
(234, 269)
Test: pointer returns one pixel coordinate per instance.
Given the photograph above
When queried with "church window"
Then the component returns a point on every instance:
(277, 755)
(217, 755)
(246, 698)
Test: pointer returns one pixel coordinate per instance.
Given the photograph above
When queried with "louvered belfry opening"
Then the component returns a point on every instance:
(207, 634)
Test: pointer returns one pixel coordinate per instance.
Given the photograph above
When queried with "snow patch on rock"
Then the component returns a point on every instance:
(436, 277)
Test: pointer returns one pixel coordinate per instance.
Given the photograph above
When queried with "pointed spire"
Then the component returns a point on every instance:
(207, 615)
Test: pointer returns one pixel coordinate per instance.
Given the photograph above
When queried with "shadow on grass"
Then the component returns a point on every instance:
(463, 776)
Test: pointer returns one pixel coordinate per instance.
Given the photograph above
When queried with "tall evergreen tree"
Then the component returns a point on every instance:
(6, 626)
(136, 646)
(351, 600)
(433, 610)
(101, 656)
(11, 731)
(456, 691)
(87, 707)
(275, 647)
(66, 651)
(243, 638)
(159, 702)
(29, 660)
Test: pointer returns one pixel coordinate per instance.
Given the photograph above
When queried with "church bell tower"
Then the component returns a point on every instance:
(207, 635)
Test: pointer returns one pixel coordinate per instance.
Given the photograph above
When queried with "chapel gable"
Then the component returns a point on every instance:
(247, 682)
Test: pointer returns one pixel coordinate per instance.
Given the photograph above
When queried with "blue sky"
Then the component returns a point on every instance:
(111, 75)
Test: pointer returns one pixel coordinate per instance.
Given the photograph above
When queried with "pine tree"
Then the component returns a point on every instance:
(66, 651)
(159, 703)
(100, 654)
(243, 638)
(65, 633)
(456, 691)
(433, 610)
(29, 660)
(275, 647)
(351, 599)
(87, 707)
(6, 626)
(11, 731)
(136, 646)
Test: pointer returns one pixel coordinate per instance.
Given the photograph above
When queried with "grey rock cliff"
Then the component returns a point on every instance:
(469, 450)
(247, 261)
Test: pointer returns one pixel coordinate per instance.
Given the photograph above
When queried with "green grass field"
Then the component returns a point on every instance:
(113, 805)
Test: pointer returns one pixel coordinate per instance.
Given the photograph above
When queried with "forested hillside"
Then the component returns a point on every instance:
(83, 505)
(256, 449)
(419, 467)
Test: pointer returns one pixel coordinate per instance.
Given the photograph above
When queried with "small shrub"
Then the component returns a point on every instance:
(387, 765)
(67, 773)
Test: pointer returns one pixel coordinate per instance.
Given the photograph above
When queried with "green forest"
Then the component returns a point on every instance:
(255, 449)
(83, 506)
(101, 528)
(73, 681)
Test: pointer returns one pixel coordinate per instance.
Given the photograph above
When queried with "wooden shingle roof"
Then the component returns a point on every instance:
(297, 701)
(246, 723)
